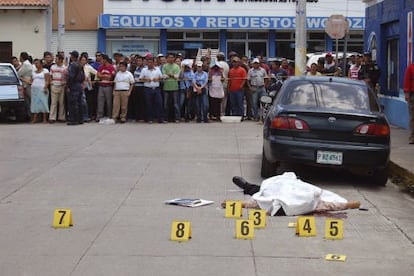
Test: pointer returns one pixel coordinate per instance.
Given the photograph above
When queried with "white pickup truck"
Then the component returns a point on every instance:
(12, 105)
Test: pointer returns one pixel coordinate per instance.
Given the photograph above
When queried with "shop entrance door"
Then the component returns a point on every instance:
(393, 65)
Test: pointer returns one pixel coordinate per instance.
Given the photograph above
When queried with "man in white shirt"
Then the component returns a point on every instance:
(124, 81)
(257, 81)
(151, 77)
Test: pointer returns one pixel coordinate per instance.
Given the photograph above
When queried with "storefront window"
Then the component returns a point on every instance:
(236, 35)
(188, 43)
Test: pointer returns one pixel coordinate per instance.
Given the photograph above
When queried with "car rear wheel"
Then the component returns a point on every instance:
(268, 169)
(380, 177)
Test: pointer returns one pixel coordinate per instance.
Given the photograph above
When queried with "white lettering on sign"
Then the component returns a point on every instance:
(217, 22)
(194, 21)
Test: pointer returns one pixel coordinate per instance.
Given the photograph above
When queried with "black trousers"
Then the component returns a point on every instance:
(75, 103)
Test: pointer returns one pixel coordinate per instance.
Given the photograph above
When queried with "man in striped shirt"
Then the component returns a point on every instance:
(58, 73)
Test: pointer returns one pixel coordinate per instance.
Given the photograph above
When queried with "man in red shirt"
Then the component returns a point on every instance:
(237, 80)
(106, 74)
(409, 97)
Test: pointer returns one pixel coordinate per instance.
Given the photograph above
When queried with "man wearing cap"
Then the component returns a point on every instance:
(237, 80)
(409, 97)
(200, 81)
(76, 77)
(171, 73)
(257, 81)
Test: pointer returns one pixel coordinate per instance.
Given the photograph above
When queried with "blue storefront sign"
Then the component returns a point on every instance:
(109, 21)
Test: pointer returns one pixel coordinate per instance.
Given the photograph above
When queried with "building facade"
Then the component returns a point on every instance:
(80, 26)
(23, 23)
(262, 27)
(389, 36)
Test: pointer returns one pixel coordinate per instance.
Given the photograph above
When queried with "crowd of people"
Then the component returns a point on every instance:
(79, 89)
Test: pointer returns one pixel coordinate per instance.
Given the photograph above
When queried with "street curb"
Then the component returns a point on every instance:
(402, 177)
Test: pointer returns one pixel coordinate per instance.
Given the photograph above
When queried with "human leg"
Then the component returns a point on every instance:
(54, 96)
(61, 105)
(248, 94)
(116, 104)
(85, 110)
(124, 106)
(177, 106)
(248, 188)
(108, 100)
(240, 102)
(101, 103)
(205, 105)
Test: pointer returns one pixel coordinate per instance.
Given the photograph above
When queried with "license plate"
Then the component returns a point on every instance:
(329, 157)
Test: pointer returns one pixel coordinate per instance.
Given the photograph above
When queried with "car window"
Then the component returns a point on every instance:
(300, 94)
(329, 96)
(7, 75)
(345, 96)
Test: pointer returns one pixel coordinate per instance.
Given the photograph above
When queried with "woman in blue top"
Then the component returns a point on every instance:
(200, 81)
(186, 88)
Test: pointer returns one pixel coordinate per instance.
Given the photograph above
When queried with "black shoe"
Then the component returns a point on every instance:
(72, 123)
(241, 182)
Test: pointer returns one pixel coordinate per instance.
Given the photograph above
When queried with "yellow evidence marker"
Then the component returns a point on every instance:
(244, 229)
(180, 231)
(334, 229)
(233, 209)
(258, 217)
(62, 218)
(335, 257)
(306, 226)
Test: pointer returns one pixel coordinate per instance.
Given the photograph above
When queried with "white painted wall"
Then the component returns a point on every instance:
(81, 41)
(19, 27)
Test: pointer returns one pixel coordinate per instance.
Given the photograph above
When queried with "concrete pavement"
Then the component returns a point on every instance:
(402, 159)
(115, 178)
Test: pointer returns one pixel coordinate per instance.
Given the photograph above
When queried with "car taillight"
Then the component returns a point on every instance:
(373, 129)
(20, 91)
(289, 123)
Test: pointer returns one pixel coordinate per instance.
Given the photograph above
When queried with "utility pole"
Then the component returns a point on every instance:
(300, 38)
(49, 27)
(61, 24)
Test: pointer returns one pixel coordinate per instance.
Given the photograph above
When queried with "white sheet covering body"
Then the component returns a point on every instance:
(295, 196)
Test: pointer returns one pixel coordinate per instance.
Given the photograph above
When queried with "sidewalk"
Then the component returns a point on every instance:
(402, 159)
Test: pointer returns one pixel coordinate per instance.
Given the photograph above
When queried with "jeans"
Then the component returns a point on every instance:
(177, 110)
(201, 101)
(181, 99)
(236, 102)
(260, 91)
(153, 102)
(85, 110)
